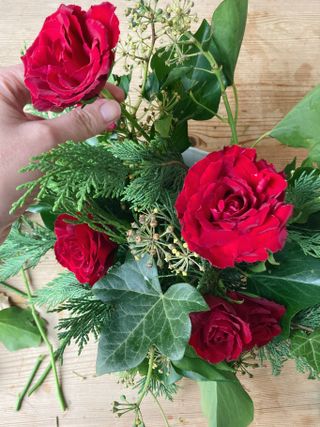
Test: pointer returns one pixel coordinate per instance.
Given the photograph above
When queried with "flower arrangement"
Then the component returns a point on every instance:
(179, 268)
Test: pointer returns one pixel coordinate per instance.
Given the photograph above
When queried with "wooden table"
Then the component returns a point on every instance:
(279, 63)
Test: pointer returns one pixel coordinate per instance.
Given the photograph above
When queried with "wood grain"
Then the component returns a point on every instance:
(278, 64)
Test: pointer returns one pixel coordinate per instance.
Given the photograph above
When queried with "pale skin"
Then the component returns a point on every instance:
(23, 137)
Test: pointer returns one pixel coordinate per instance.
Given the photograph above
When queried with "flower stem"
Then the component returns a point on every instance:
(43, 334)
(148, 379)
(165, 419)
(26, 388)
(44, 375)
(13, 289)
(106, 94)
(265, 135)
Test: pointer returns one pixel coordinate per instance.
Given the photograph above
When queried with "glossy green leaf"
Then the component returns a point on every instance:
(143, 316)
(163, 126)
(301, 127)
(226, 404)
(228, 27)
(17, 329)
(295, 283)
(197, 369)
(45, 211)
(307, 346)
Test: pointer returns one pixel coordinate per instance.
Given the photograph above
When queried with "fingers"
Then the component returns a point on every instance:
(81, 123)
(116, 92)
(12, 86)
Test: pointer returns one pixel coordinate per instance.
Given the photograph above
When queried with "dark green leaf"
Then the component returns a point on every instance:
(301, 127)
(143, 316)
(308, 347)
(163, 126)
(295, 283)
(226, 404)
(17, 329)
(197, 369)
(45, 211)
(228, 26)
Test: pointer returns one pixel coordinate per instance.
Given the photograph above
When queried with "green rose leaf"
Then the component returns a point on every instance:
(301, 127)
(226, 404)
(228, 27)
(307, 346)
(17, 329)
(295, 283)
(143, 316)
(197, 369)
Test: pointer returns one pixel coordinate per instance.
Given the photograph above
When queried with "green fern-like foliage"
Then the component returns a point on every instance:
(74, 173)
(155, 171)
(86, 317)
(304, 193)
(60, 290)
(24, 247)
(308, 241)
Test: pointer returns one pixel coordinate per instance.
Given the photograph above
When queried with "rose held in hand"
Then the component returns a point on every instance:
(72, 56)
(86, 252)
(232, 208)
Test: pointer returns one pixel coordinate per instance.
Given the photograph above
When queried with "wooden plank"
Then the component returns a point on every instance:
(278, 64)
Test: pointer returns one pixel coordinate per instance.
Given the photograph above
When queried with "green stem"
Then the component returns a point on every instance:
(44, 375)
(26, 388)
(148, 379)
(13, 289)
(106, 94)
(165, 419)
(236, 100)
(43, 334)
(265, 135)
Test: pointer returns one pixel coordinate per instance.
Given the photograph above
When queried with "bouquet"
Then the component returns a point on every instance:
(178, 262)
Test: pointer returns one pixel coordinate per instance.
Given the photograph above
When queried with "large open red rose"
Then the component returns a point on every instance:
(72, 56)
(86, 252)
(232, 208)
(219, 334)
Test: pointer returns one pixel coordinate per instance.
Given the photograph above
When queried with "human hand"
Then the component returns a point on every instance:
(23, 136)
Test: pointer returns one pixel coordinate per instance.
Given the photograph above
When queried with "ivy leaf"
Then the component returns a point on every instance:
(308, 347)
(197, 369)
(143, 316)
(295, 283)
(301, 127)
(226, 404)
(17, 329)
(228, 26)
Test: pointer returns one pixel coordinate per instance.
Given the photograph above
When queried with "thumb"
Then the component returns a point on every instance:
(84, 122)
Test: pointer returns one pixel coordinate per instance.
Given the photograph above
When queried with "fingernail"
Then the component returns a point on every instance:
(110, 111)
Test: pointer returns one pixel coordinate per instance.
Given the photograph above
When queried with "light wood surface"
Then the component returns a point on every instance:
(279, 63)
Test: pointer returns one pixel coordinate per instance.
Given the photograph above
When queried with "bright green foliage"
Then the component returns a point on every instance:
(74, 173)
(304, 193)
(308, 241)
(301, 126)
(143, 316)
(24, 247)
(309, 318)
(197, 369)
(277, 353)
(17, 329)
(61, 289)
(295, 283)
(156, 172)
(87, 316)
(307, 346)
(228, 26)
(226, 404)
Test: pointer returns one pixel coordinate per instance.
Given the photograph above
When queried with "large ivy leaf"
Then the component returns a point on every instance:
(295, 283)
(143, 316)
(228, 27)
(226, 404)
(17, 329)
(307, 346)
(301, 127)
(197, 369)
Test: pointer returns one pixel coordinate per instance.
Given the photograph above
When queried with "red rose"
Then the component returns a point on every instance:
(219, 334)
(87, 253)
(232, 209)
(262, 315)
(72, 56)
